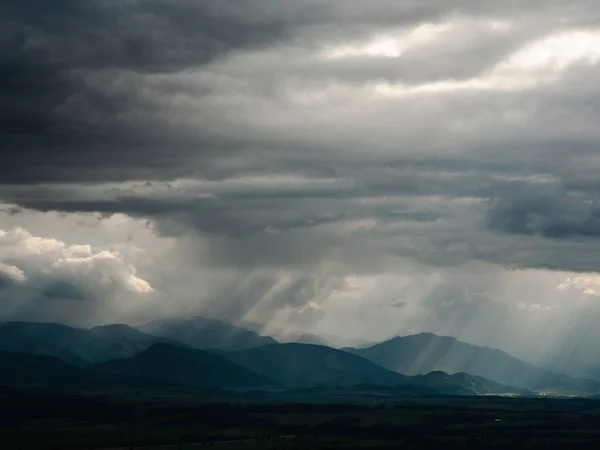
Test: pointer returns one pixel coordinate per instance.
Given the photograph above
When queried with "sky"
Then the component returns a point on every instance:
(351, 168)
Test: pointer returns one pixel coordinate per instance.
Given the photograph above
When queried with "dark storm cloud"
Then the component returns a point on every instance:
(8, 278)
(398, 304)
(93, 92)
(148, 36)
(56, 125)
(63, 290)
(559, 217)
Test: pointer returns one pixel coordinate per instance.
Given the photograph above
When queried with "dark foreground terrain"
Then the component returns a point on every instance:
(192, 419)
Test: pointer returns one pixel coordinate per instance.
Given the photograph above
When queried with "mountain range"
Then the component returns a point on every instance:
(182, 366)
(22, 369)
(426, 352)
(205, 333)
(209, 353)
(76, 345)
(285, 335)
(165, 366)
(303, 365)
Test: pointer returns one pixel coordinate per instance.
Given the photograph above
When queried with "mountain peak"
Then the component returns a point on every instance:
(427, 335)
(114, 328)
(206, 333)
(428, 353)
(438, 373)
(179, 365)
(187, 320)
(305, 365)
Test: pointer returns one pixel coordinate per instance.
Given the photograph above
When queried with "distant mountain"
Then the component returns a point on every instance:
(305, 338)
(22, 369)
(282, 334)
(179, 365)
(205, 333)
(464, 384)
(344, 341)
(120, 341)
(426, 352)
(164, 366)
(42, 373)
(574, 351)
(303, 365)
(432, 384)
(42, 339)
(75, 345)
(285, 335)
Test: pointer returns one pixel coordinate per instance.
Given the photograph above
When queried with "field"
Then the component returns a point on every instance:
(32, 421)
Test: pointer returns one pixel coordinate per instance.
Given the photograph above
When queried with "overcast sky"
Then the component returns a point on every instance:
(350, 167)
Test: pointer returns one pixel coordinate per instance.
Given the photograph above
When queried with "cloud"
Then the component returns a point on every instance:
(589, 285)
(398, 304)
(42, 277)
(10, 275)
(57, 59)
(256, 159)
(133, 84)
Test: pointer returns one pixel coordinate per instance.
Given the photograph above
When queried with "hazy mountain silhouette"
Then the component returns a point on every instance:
(574, 352)
(313, 365)
(283, 334)
(42, 339)
(426, 352)
(205, 333)
(432, 384)
(464, 384)
(136, 354)
(22, 369)
(306, 338)
(179, 365)
(120, 341)
(165, 366)
(286, 336)
(75, 345)
(302, 365)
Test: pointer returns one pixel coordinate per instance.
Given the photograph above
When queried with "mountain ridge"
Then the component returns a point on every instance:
(164, 366)
(427, 352)
(180, 365)
(78, 346)
(205, 333)
(294, 364)
(299, 365)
